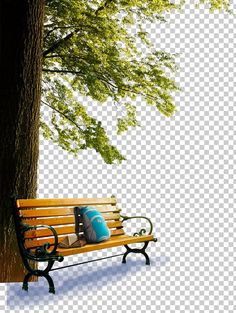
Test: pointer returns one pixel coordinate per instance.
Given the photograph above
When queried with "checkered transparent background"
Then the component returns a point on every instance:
(179, 171)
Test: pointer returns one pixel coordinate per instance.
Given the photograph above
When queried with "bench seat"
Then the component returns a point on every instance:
(112, 242)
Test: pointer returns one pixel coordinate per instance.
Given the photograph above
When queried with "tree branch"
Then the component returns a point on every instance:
(105, 80)
(62, 71)
(102, 79)
(102, 7)
(58, 43)
(63, 114)
(58, 27)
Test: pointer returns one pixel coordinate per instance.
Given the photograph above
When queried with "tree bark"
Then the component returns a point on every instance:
(21, 26)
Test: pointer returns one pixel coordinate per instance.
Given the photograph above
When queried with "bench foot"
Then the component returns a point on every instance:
(39, 273)
(51, 284)
(25, 282)
(141, 251)
(25, 286)
(48, 278)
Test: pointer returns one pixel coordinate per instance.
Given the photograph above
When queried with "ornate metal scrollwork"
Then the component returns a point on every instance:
(41, 253)
(142, 231)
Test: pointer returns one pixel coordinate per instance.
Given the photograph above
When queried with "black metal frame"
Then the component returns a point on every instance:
(140, 233)
(141, 251)
(42, 254)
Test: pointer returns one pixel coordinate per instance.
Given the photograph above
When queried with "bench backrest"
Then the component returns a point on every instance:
(59, 213)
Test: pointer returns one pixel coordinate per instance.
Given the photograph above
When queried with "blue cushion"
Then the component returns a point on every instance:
(95, 227)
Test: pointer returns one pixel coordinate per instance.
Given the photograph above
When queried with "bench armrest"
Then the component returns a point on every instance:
(142, 231)
(40, 253)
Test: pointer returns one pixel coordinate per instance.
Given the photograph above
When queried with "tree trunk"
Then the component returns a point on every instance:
(21, 25)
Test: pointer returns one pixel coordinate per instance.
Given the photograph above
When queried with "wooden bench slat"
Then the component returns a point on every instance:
(112, 242)
(46, 212)
(33, 243)
(119, 231)
(106, 244)
(52, 221)
(44, 232)
(60, 211)
(64, 220)
(37, 203)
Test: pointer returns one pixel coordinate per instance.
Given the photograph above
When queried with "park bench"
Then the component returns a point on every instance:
(41, 224)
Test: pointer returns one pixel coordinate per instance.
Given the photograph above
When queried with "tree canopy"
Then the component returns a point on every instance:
(92, 49)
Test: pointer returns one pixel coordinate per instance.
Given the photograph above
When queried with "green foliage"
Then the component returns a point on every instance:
(124, 123)
(91, 47)
(217, 4)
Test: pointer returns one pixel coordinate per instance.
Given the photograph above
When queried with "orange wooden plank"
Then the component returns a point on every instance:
(39, 203)
(32, 243)
(112, 242)
(45, 232)
(46, 212)
(52, 221)
(119, 241)
(115, 232)
(32, 213)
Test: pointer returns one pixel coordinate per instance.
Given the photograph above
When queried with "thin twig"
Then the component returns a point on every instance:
(61, 113)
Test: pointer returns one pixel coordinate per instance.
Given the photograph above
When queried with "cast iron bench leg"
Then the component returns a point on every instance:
(142, 251)
(50, 282)
(25, 282)
(39, 273)
(48, 278)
